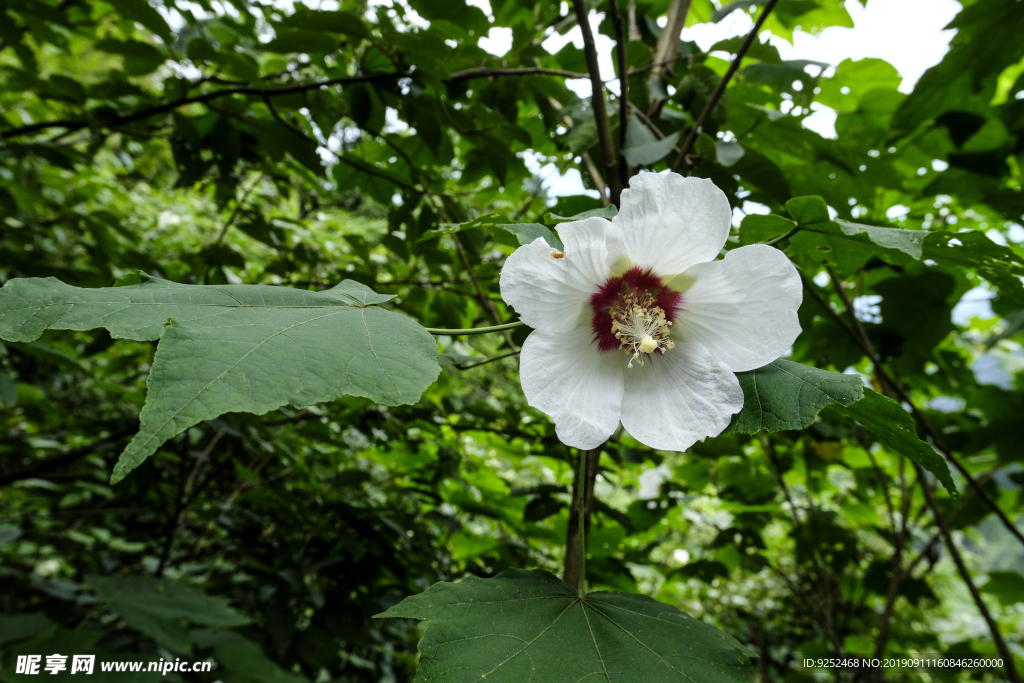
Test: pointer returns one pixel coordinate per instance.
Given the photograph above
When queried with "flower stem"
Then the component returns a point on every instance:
(580, 535)
(474, 330)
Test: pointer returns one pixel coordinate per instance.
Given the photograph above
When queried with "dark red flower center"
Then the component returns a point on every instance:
(638, 295)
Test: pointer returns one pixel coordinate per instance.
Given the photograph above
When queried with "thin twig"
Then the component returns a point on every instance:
(782, 238)
(489, 360)
(239, 203)
(647, 121)
(947, 537)
(484, 299)
(604, 132)
(720, 90)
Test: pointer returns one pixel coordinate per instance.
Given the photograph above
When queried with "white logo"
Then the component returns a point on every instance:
(82, 663)
(55, 663)
(28, 664)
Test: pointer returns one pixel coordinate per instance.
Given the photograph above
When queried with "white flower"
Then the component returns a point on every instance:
(635, 321)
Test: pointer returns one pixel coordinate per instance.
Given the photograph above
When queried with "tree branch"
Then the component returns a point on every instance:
(860, 336)
(201, 99)
(1004, 651)
(620, 52)
(72, 125)
(604, 132)
(484, 72)
(720, 90)
(45, 465)
(668, 41)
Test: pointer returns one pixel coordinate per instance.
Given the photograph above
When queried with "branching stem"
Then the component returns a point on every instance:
(720, 90)
(582, 537)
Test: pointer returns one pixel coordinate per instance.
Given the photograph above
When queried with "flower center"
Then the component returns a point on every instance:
(633, 313)
(641, 326)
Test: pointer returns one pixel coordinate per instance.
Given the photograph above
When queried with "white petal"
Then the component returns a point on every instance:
(668, 223)
(553, 294)
(679, 398)
(565, 376)
(742, 308)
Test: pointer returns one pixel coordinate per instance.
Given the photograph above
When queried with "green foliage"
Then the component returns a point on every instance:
(785, 395)
(896, 429)
(160, 608)
(236, 348)
(250, 150)
(520, 622)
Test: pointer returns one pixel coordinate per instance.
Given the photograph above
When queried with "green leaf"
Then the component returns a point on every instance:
(856, 78)
(986, 42)
(808, 210)
(529, 625)
(135, 277)
(643, 148)
(608, 212)
(236, 348)
(761, 228)
(489, 220)
(728, 153)
(728, 9)
(848, 245)
(781, 77)
(786, 395)
(139, 58)
(528, 232)
(335, 21)
(1008, 587)
(298, 40)
(160, 608)
(910, 242)
(765, 51)
(975, 251)
(895, 428)
(243, 658)
(142, 12)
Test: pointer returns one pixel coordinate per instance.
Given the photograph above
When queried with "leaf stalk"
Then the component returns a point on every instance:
(473, 330)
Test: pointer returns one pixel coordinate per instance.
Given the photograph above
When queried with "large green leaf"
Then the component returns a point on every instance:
(974, 250)
(846, 244)
(529, 625)
(786, 395)
(528, 232)
(160, 608)
(1008, 587)
(243, 659)
(895, 428)
(761, 228)
(236, 348)
(643, 147)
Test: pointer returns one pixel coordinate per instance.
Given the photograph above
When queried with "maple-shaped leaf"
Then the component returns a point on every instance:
(529, 625)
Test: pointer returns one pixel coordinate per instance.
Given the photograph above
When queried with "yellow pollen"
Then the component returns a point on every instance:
(641, 327)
